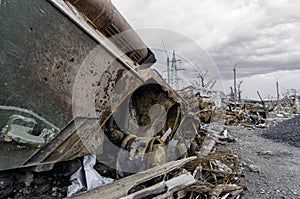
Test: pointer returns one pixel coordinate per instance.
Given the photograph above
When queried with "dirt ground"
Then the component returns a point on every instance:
(272, 169)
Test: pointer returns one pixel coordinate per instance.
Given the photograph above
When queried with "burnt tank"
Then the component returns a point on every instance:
(76, 79)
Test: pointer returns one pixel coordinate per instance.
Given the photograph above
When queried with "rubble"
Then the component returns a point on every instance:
(86, 177)
(286, 131)
(260, 114)
(253, 168)
(210, 173)
(132, 183)
(248, 116)
(122, 130)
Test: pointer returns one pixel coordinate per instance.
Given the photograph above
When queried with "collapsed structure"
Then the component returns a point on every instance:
(77, 81)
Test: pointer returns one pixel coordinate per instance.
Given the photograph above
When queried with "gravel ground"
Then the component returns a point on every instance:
(287, 131)
(271, 167)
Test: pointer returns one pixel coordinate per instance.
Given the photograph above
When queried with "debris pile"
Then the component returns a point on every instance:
(207, 173)
(206, 108)
(261, 114)
(286, 131)
(117, 128)
(26, 184)
(249, 115)
(180, 160)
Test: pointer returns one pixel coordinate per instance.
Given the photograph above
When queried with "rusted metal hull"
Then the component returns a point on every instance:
(66, 71)
(43, 49)
(41, 52)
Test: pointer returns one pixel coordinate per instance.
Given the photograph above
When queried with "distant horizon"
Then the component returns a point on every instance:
(258, 37)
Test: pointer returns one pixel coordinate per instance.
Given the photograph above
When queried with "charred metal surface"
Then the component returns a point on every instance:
(152, 107)
(163, 97)
(53, 68)
(148, 109)
(100, 90)
(42, 53)
(83, 135)
(116, 84)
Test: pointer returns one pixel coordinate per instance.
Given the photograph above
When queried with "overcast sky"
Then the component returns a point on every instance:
(263, 37)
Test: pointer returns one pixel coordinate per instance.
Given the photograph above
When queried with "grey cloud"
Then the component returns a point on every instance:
(268, 31)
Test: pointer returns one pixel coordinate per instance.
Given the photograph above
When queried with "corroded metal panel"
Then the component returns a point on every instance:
(53, 68)
(41, 52)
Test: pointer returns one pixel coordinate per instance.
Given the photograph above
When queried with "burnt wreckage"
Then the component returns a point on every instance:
(83, 114)
(76, 80)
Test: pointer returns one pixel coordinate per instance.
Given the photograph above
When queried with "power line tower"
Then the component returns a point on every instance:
(168, 61)
(174, 79)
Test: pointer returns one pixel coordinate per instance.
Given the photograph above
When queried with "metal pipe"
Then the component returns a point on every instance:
(109, 21)
(23, 110)
(234, 78)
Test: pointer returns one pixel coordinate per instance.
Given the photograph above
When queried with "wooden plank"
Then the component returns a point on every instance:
(177, 184)
(121, 187)
(166, 188)
(148, 192)
(207, 146)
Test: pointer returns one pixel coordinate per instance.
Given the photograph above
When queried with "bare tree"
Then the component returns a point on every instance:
(239, 90)
(203, 79)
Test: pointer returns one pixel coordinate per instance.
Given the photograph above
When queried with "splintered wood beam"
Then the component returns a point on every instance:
(121, 187)
(207, 146)
(176, 184)
(164, 189)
